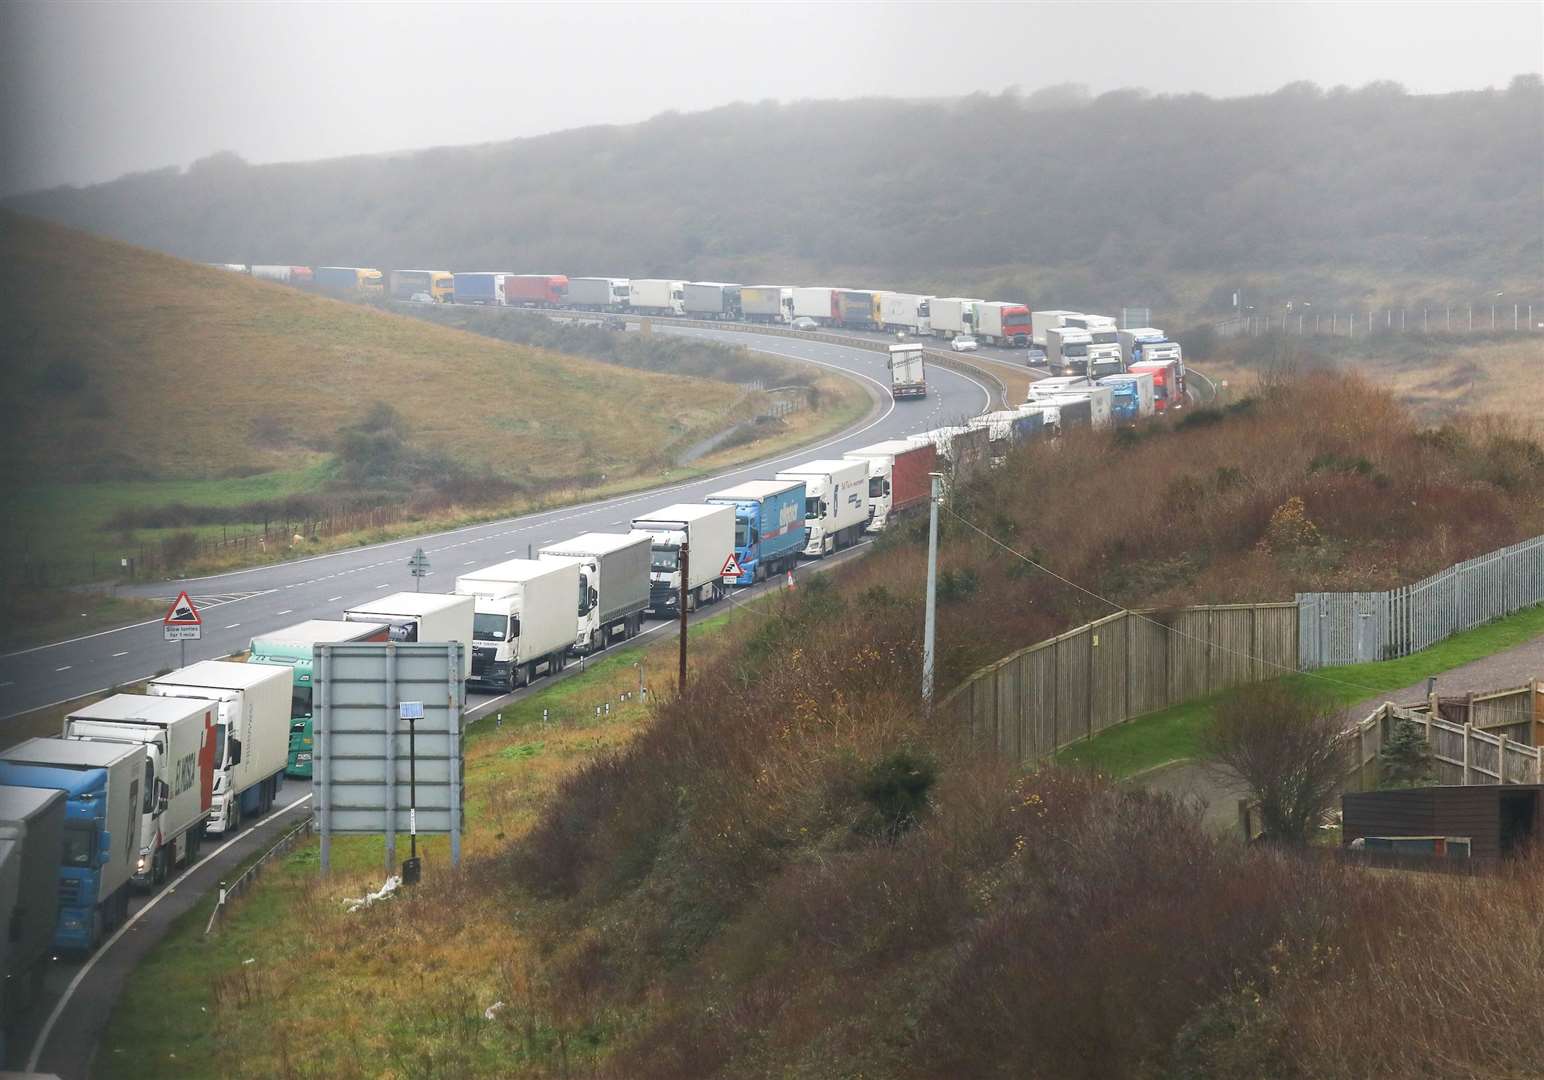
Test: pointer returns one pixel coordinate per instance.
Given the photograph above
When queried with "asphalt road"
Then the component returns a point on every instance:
(238, 605)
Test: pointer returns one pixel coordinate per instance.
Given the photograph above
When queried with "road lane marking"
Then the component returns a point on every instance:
(65, 668)
(330, 599)
(385, 586)
(286, 611)
(115, 656)
(233, 626)
(166, 890)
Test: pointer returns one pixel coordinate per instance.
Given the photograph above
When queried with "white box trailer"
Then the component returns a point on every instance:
(1134, 398)
(613, 585)
(835, 503)
(713, 299)
(31, 849)
(908, 371)
(524, 618)
(709, 532)
(1100, 406)
(905, 311)
(899, 478)
(767, 303)
(598, 293)
(656, 296)
(421, 616)
(1057, 385)
(252, 741)
(1041, 321)
(953, 315)
(816, 302)
(178, 735)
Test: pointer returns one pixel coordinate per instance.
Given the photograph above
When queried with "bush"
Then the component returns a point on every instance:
(896, 790)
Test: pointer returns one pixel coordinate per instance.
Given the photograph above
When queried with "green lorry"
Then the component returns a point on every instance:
(292, 647)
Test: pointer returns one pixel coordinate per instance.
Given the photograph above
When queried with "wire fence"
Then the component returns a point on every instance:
(1484, 318)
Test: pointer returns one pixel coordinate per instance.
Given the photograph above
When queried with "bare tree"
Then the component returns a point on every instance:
(1287, 748)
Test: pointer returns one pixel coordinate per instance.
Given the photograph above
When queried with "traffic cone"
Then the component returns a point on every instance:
(790, 579)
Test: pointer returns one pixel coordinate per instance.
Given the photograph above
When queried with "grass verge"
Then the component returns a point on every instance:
(1174, 734)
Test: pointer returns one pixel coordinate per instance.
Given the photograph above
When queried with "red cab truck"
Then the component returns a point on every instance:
(1168, 383)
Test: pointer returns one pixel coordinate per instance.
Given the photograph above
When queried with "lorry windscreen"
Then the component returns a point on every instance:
(742, 534)
(300, 702)
(876, 487)
(489, 627)
(1074, 350)
(79, 845)
(664, 558)
(814, 508)
(219, 745)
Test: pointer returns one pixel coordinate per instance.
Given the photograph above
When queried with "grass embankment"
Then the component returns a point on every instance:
(151, 394)
(792, 869)
(31, 616)
(1175, 734)
(249, 994)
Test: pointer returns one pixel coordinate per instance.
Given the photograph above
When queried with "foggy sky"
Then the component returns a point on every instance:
(89, 91)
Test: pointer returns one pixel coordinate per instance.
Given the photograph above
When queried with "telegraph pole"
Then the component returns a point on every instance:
(681, 603)
(932, 591)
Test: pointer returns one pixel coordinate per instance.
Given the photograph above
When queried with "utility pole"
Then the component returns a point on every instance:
(932, 591)
(686, 577)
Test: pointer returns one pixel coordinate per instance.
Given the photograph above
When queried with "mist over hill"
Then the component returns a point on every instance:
(1125, 192)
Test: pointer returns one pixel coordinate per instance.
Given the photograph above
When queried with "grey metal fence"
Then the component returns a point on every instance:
(1351, 628)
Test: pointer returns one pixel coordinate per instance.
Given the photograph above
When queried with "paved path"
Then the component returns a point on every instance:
(1191, 780)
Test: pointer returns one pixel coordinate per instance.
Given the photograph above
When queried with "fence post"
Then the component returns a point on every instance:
(1468, 751)
(1501, 759)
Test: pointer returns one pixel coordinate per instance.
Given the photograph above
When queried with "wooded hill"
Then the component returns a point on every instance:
(1052, 194)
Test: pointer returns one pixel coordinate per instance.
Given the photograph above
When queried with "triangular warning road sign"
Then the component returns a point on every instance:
(731, 567)
(183, 613)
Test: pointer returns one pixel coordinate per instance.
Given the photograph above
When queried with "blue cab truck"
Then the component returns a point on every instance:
(106, 789)
(768, 526)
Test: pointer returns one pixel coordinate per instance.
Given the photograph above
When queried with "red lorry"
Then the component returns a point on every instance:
(1168, 383)
(536, 290)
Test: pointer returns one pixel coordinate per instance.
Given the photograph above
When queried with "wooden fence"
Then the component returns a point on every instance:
(1461, 753)
(1058, 692)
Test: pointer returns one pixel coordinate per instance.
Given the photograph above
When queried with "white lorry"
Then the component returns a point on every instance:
(613, 585)
(908, 373)
(251, 745)
(767, 303)
(1146, 343)
(1066, 350)
(597, 293)
(1041, 321)
(1058, 384)
(31, 842)
(899, 478)
(816, 302)
(1100, 401)
(951, 315)
(709, 532)
(421, 616)
(524, 619)
(178, 735)
(835, 503)
(905, 311)
(656, 296)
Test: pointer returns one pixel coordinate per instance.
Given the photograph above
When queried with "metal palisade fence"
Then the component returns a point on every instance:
(1351, 628)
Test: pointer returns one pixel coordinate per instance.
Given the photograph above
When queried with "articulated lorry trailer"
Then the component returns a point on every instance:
(294, 650)
(905, 311)
(1001, 323)
(712, 300)
(287, 275)
(524, 621)
(709, 532)
(613, 585)
(1042, 321)
(767, 303)
(251, 746)
(535, 290)
(349, 279)
(816, 302)
(953, 315)
(908, 372)
(898, 478)
(963, 451)
(178, 735)
(31, 844)
(768, 527)
(598, 293)
(835, 503)
(438, 285)
(657, 296)
(854, 309)
(480, 287)
(104, 792)
(421, 616)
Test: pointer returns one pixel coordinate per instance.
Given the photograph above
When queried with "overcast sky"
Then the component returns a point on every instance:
(92, 90)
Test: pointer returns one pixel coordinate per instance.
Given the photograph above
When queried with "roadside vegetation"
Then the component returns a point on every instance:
(791, 869)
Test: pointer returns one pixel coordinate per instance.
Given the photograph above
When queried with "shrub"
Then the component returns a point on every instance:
(179, 549)
(1405, 759)
(1290, 530)
(896, 790)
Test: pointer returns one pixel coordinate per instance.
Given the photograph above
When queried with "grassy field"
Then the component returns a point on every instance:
(1175, 734)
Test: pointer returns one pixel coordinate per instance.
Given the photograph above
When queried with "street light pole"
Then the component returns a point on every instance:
(932, 591)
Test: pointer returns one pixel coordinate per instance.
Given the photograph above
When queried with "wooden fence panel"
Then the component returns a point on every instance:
(1189, 654)
(1107, 672)
(1072, 714)
(1045, 734)
(1231, 658)
(1148, 670)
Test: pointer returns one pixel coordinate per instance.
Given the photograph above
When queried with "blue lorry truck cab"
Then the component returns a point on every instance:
(1124, 404)
(768, 526)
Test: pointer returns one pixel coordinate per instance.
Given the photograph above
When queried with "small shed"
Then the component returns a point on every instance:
(1499, 819)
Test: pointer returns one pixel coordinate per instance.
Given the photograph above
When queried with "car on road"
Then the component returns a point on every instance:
(963, 343)
(421, 298)
(804, 322)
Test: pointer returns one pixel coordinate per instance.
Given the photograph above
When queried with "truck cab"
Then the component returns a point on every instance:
(1067, 350)
(768, 527)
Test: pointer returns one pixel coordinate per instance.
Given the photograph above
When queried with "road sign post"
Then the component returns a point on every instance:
(418, 566)
(183, 624)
